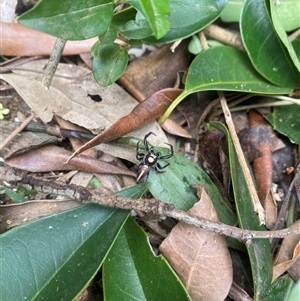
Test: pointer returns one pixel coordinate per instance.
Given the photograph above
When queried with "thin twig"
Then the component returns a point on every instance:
(257, 207)
(225, 36)
(150, 206)
(53, 62)
(16, 131)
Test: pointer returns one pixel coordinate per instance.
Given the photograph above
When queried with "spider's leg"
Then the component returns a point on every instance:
(170, 154)
(139, 154)
(146, 142)
(158, 167)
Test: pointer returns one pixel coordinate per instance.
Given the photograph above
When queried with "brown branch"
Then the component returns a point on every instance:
(257, 207)
(150, 206)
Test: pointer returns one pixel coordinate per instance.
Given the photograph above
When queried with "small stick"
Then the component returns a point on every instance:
(225, 36)
(53, 62)
(151, 206)
(16, 131)
(257, 207)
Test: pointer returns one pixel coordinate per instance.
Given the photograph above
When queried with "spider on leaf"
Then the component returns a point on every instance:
(150, 159)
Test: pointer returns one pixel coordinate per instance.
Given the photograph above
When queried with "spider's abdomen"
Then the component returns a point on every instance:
(142, 172)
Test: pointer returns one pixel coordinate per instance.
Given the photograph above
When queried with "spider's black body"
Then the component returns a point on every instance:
(150, 159)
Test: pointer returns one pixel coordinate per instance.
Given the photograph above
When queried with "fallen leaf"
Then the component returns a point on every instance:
(18, 214)
(200, 257)
(263, 167)
(23, 142)
(68, 98)
(282, 267)
(51, 158)
(145, 112)
(160, 69)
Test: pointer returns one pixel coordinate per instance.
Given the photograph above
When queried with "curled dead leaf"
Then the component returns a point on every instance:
(263, 167)
(142, 114)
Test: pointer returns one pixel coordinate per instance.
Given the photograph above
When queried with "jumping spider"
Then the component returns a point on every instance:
(150, 159)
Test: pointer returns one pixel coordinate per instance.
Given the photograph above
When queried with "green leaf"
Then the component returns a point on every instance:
(283, 37)
(132, 272)
(109, 63)
(232, 11)
(295, 292)
(157, 14)
(296, 46)
(195, 46)
(14, 196)
(224, 68)
(120, 18)
(288, 13)
(286, 121)
(42, 260)
(134, 192)
(109, 36)
(266, 51)
(280, 289)
(136, 29)
(175, 185)
(259, 250)
(187, 17)
(228, 69)
(70, 20)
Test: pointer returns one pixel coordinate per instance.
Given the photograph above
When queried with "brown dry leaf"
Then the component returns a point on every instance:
(18, 214)
(51, 158)
(174, 128)
(280, 268)
(263, 167)
(23, 142)
(18, 40)
(68, 98)
(200, 257)
(288, 253)
(160, 69)
(144, 113)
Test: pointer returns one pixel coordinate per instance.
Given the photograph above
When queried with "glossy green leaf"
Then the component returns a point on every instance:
(288, 12)
(224, 68)
(136, 29)
(228, 69)
(265, 49)
(232, 11)
(70, 20)
(157, 14)
(296, 46)
(42, 260)
(283, 36)
(187, 17)
(280, 289)
(132, 272)
(120, 18)
(286, 121)
(195, 46)
(175, 185)
(14, 196)
(259, 250)
(134, 192)
(109, 63)
(109, 36)
(295, 292)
